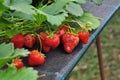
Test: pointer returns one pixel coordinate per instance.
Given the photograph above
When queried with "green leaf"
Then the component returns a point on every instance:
(6, 50)
(23, 74)
(20, 5)
(97, 1)
(89, 18)
(57, 19)
(14, 2)
(8, 72)
(7, 53)
(40, 18)
(3, 24)
(2, 8)
(24, 15)
(5, 60)
(11, 32)
(55, 12)
(1, 1)
(55, 7)
(21, 52)
(28, 9)
(74, 9)
(81, 1)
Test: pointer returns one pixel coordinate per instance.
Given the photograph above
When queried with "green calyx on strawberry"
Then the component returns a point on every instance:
(84, 35)
(88, 24)
(18, 63)
(36, 58)
(29, 40)
(18, 40)
(52, 40)
(70, 40)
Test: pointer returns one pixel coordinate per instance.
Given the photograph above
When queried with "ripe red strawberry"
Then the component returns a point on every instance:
(36, 58)
(64, 27)
(43, 35)
(70, 41)
(45, 47)
(53, 41)
(83, 36)
(18, 63)
(62, 30)
(29, 40)
(18, 40)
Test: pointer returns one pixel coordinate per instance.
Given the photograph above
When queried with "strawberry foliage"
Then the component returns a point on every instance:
(22, 17)
(8, 52)
(51, 16)
(11, 73)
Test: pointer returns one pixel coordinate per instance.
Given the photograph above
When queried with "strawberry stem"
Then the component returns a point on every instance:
(40, 42)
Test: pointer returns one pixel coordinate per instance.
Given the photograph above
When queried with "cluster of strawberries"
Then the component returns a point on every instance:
(49, 41)
(69, 40)
(35, 58)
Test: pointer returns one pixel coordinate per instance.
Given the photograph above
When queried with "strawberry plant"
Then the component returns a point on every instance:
(8, 52)
(21, 22)
(24, 18)
(14, 67)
